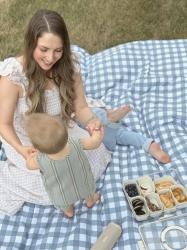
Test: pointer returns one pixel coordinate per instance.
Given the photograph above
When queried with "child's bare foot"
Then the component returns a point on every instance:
(69, 212)
(117, 114)
(156, 151)
(91, 202)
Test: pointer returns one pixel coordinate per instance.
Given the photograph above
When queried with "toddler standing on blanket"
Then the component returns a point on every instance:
(115, 133)
(64, 166)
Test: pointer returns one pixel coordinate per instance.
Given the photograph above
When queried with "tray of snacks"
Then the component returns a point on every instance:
(154, 195)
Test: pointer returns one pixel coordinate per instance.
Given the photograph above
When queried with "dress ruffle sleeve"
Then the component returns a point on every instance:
(13, 70)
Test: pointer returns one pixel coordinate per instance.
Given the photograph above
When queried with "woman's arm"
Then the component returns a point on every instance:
(82, 112)
(9, 94)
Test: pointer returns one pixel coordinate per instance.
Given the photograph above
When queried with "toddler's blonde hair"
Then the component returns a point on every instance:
(48, 134)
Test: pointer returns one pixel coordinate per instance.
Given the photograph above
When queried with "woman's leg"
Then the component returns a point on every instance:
(124, 137)
(102, 114)
(116, 134)
(115, 115)
(156, 151)
(112, 116)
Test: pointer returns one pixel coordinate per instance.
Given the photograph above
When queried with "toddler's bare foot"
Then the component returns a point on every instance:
(156, 151)
(69, 212)
(90, 202)
(117, 114)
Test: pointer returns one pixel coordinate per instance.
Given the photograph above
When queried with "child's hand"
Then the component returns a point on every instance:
(94, 140)
(98, 134)
(26, 151)
(31, 161)
(93, 124)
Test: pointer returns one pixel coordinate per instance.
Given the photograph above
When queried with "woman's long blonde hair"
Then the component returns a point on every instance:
(62, 72)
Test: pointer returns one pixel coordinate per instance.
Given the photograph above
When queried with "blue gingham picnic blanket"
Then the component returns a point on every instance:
(152, 77)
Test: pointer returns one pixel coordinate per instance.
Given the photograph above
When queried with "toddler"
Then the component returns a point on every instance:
(64, 167)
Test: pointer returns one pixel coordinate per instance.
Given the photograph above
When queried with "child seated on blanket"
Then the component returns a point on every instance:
(64, 167)
(115, 133)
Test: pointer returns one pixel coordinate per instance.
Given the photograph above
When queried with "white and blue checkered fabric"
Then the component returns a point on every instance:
(175, 239)
(152, 77)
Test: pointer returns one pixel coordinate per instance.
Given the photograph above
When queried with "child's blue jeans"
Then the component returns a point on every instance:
(115, 133)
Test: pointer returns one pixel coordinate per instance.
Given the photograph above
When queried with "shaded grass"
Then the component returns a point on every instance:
(97, 24)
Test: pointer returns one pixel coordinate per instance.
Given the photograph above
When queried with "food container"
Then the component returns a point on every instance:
(131, 189)
(154, 204)
(146, 184)
(168, 232)
(165, 189)
(139, 208)
(168, 200)
(180, 195)
(164, 182)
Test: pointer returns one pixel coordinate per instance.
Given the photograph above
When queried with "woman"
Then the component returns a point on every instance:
(45, 78)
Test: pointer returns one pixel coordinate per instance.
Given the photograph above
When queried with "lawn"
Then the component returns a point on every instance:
(97, 24)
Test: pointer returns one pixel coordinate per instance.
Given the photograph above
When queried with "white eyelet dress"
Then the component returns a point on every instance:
(17, 183)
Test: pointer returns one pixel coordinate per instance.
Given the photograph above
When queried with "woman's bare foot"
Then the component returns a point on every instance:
(117, 114)
(156, 151)
(90, 202)
(69, 212)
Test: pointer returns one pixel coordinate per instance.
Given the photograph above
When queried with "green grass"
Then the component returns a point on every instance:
(97, 24)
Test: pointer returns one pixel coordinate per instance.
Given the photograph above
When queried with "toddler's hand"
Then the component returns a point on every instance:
(98, 133)
(25, 151)
(94, 124)
(31, 161)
